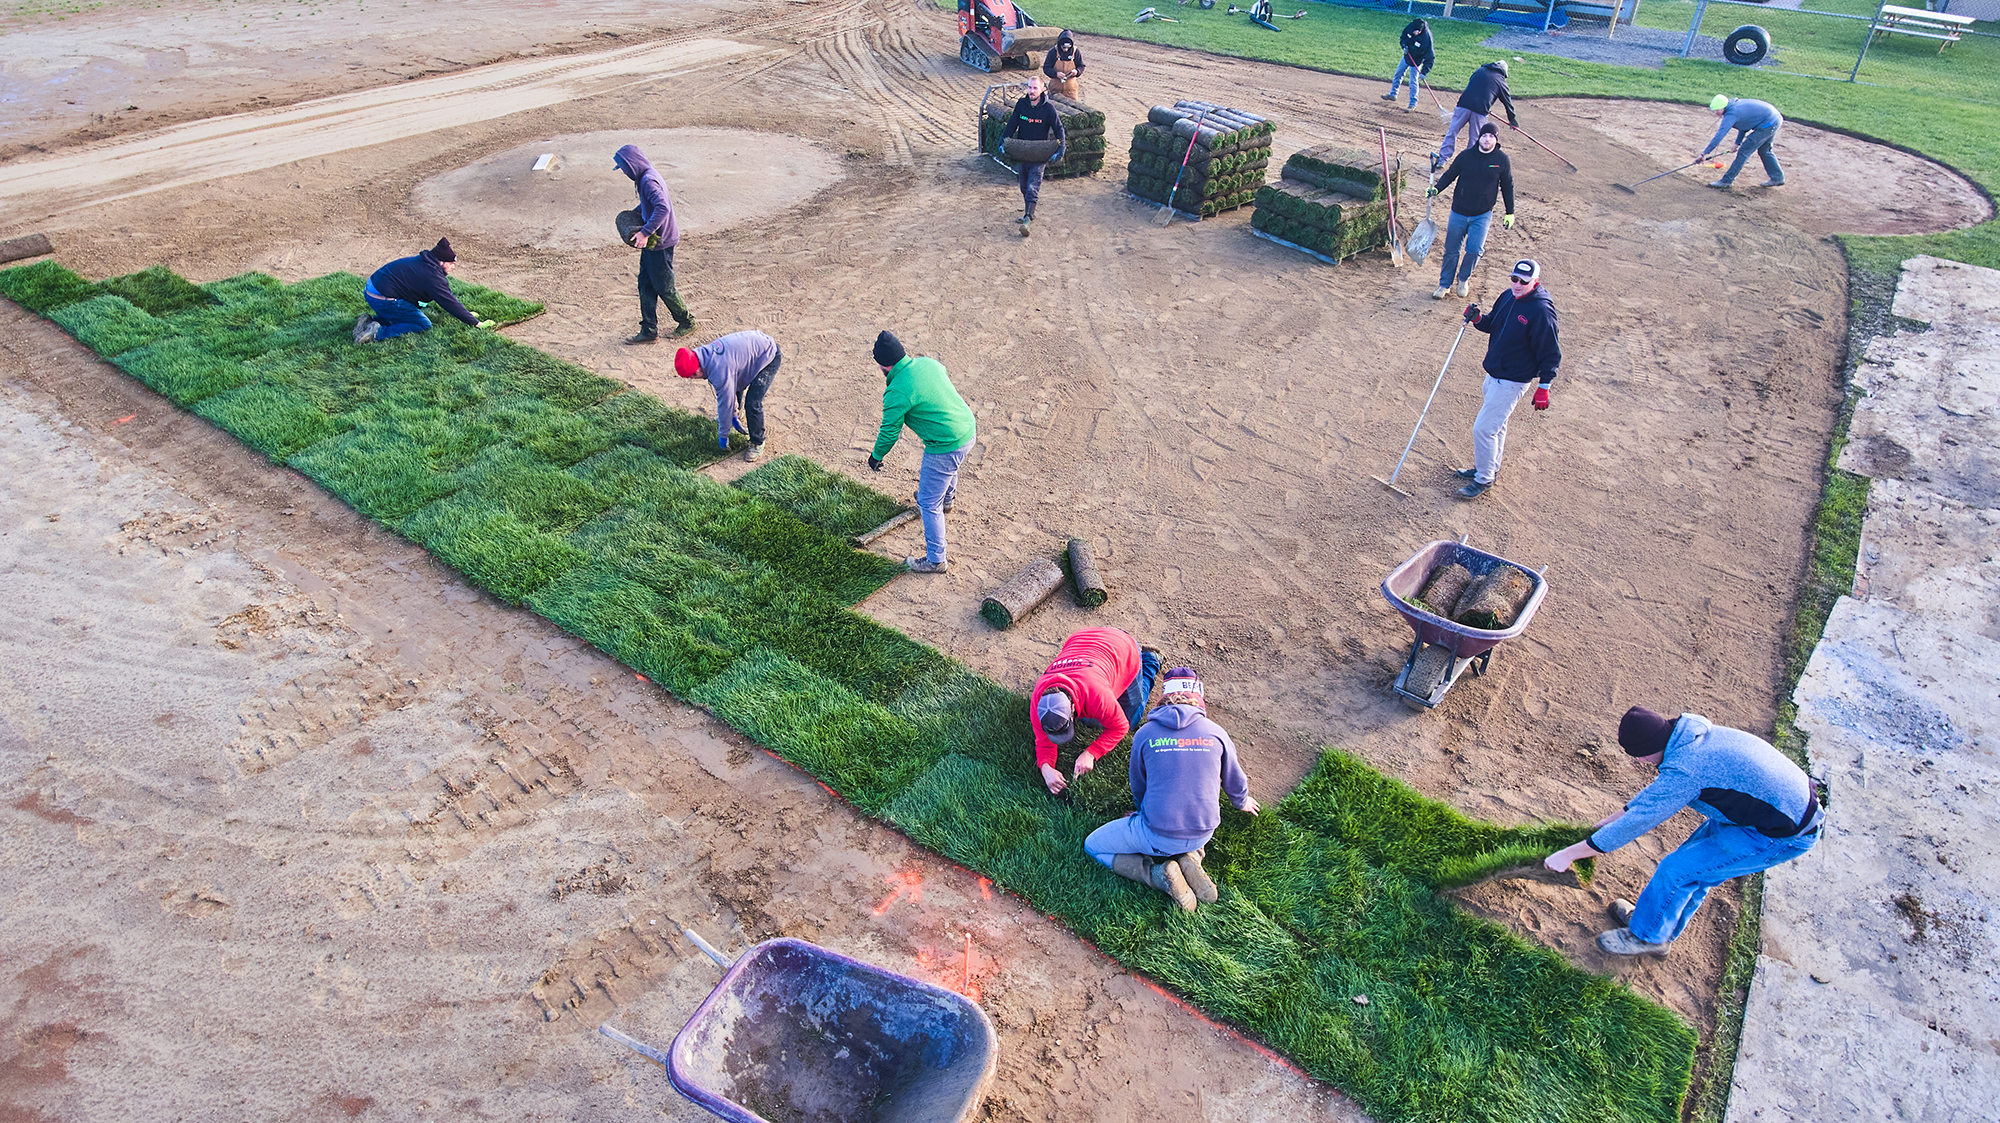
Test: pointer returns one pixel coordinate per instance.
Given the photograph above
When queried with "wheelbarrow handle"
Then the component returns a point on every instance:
(707, 949)
(638, 1047)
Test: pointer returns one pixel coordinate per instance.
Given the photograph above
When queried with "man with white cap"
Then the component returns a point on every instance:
(1182, 763)
(1756, 124)
(1524, 352)
(1101, 674)
(1762, 810)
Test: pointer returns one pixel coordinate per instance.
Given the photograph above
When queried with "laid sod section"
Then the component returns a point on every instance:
(827, 500)
(548, 487)
(45, 286)
(158, 290)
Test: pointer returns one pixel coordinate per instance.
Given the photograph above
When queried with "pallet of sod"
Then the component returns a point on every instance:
(1226, 166)
(1328, 200)
(1083, 128)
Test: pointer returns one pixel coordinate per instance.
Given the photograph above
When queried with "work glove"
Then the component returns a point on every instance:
(484, 324)
(1541, 397)
(1507, 221)
(1471, 313)
(1513, 122)
(1057, 158)
(1431, 194)
(736, 424)
(722, 443)
(874, 463)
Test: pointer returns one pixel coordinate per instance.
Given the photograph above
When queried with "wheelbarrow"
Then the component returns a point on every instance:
(795, 1033)
(1445, 649)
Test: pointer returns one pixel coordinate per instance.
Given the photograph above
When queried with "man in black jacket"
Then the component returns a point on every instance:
(1418, 58)
(395, 290)
(1034, 118)
(1064, 67)
(1482, 173)
(1488, 85)
(1523, 351)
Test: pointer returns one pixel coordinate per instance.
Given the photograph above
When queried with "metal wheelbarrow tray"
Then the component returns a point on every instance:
(797, 1034)
(1444, 649)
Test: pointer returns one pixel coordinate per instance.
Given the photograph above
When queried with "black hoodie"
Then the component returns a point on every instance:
(1488, 85)
(1066, 50)
(1524, 346)
(1417, 45)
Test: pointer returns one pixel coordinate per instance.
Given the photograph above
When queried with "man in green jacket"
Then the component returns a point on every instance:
(919, 394)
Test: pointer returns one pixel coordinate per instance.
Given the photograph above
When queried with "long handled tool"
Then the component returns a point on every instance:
(1543, 147)
(1443, 113)
(1389, 193)
(1390, 483)
(1634, 189)
(1167, 211)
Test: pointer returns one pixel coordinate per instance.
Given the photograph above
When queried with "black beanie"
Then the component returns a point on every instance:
(442, 251)
(888, 350)
(1489, 127)
(1641, 732)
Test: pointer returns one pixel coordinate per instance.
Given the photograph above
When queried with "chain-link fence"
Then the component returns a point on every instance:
(1950, 48)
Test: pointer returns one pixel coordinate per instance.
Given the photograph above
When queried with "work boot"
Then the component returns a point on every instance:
(1390, 96)
(1465, 288)
(1621, 941)
(1473, 474)
(1474, 490)
(643, 337)
(754, 452)
(1442, 292)
(1721, 185)
(360, 322)
(1621, 909)
(1196, 877)
(1164, 875)
(368, 332)
(923, 565)
(684, 329)
(1027, 225)
(1772, 183)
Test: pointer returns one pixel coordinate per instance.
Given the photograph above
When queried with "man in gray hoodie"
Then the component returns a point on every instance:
(1181, 763)
(740, 366)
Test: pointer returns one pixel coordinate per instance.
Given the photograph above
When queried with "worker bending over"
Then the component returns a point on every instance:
(394, 292)
(1101, 674)
(740, 366)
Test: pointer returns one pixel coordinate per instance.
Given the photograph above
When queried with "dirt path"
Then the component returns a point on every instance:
(1208, 407)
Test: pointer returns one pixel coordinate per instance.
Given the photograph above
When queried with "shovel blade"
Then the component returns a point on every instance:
(1420, 241)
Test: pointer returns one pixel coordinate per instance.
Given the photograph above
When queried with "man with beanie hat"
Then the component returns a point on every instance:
(1483, 174)
(1182, 762)
(1419, 55)
(1101, 674)
(1756, 124)
(1524, 352)
(1488, 85)
(394, 292)
(1761, 808)
(657, 235)
(919, 394)
(740, 366)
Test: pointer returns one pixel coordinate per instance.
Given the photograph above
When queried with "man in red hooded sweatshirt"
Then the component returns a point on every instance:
(1101, 674)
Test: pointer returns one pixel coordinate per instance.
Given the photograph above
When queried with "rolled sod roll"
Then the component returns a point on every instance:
(1030, 151)
(1090, 590)
(628, 223)
(1443, 588)
(1022, 594)
(1494, 601)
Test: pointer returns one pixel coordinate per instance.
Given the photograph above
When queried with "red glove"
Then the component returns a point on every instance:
(1541, 397)
(1471, 313)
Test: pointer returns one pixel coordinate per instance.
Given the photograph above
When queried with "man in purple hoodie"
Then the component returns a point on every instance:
(1181, 764)
(656, 238)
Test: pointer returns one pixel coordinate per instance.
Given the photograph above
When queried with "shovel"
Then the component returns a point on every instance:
(1389, 194)
(1426, 231)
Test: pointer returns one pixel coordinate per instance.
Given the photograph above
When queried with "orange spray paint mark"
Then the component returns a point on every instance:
(640, 677)
(985, 888)
(903, 883)
(130, 416)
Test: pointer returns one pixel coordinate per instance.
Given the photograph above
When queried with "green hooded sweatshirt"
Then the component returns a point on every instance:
(920, 395)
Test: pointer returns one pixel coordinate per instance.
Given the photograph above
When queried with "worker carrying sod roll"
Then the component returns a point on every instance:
(1033, 125)
(1761, 808)
(1182, 764)
(1101, 674)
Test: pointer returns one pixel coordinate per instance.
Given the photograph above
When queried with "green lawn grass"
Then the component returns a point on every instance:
(550, 487)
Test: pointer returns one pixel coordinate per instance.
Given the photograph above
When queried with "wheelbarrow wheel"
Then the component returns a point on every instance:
(1427, 673)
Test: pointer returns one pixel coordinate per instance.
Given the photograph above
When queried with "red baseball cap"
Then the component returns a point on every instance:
(686, 364)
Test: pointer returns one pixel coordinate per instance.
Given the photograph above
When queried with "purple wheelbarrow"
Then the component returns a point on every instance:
(1445, 650)
(797, 1034)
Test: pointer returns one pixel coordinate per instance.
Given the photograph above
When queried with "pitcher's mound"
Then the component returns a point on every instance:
(718, 178)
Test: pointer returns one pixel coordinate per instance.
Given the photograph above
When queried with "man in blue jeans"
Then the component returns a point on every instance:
(1762, 810)
(918, 393)
(740, 366)
(1419, 55)
(394, 292)
(1756, 124)
(1483, 174)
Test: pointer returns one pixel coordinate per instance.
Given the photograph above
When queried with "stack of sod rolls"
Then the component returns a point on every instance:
(1328, 200)
(1224, 169)
(1082, 125)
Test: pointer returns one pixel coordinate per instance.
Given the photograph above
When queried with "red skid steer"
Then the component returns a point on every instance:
(993, 32)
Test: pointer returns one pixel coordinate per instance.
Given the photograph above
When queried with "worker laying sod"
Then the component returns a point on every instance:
(553, 488)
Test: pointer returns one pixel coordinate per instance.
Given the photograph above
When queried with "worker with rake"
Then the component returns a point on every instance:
(1488, 85)
(740, 366)
(1524, 352)
(1100, 674)
(919, 394)
(1761, 810)
(1034, 118)
(1182, 763)
(1419, 55)
(1483, 174)
(1756, 124)
(395, 292)
(656, 237)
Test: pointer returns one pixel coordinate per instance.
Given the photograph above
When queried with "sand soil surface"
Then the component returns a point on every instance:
(299, 825)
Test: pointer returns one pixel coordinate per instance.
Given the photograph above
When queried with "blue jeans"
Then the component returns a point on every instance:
(751, 403)
(1758, 141)
(1133, 701)
(397, 317)
(937, 484)
(1470, 230)
(1130, 835)
(1410, 68)
(1031, 186)
(1712, 855)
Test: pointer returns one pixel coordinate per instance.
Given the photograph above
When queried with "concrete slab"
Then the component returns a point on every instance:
(1875, 995)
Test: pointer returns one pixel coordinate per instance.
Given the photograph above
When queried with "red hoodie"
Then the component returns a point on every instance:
(1094, 667)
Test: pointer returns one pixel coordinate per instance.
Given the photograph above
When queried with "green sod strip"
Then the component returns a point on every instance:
(45, 286)
(110, 325)
(827, 500)
(158, 290)
(543, 486)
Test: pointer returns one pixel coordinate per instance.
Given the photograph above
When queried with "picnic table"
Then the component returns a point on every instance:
(1942, 26)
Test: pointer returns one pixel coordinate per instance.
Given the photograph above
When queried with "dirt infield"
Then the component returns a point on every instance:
(474, 821)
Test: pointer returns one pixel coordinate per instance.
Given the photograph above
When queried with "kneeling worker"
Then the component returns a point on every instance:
(1101, 674)
(1762, 810)
(396, 289)
(740, 366)
(1181, 763)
